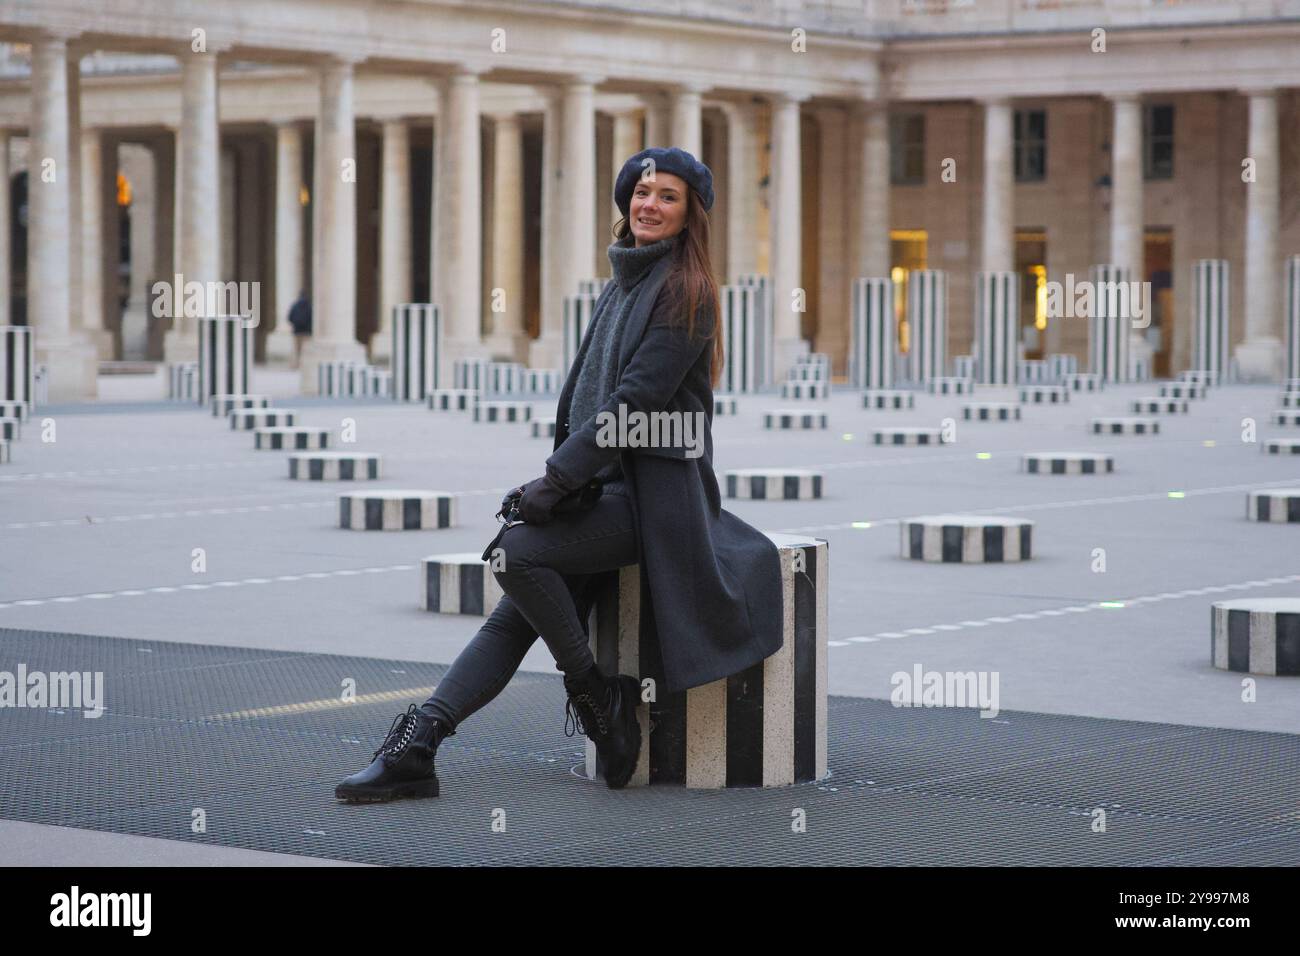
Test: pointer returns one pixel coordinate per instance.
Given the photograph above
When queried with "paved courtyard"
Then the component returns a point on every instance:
(98, 530)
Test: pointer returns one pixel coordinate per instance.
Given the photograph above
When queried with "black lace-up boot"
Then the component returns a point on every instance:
(403, 764)
(604, 709)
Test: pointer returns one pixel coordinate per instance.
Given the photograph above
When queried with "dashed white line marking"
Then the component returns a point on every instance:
(164, 589)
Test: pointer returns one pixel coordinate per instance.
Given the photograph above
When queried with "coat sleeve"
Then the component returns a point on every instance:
(653, 375)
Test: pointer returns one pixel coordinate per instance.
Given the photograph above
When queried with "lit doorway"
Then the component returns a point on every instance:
(907, 251)
(1031, 266)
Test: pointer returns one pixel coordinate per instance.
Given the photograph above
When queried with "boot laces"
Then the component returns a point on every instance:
(583, 710)
(399, 734)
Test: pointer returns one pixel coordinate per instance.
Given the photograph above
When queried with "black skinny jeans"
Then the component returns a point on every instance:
(541, 563)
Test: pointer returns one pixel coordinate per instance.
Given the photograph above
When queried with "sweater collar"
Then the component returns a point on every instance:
(630, 263)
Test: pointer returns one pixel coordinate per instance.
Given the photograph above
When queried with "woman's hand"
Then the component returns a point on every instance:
(539, 497)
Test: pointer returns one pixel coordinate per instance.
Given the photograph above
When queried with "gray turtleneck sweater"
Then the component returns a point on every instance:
(595, 382)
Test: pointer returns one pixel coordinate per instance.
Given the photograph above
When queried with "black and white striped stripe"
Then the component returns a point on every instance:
(334, 466)
(997, 326)
(417, 351)
(746, 339)
(1291, 318)
(1109, 325)
(1181, 390)
(1060, 365)
(966, 539)
(296, 437)
(543, 427)
(927, 323)
(21, 410)
(1045, 395)
(542, 381)
(907, 435)
(578, 312)
(469, 373)
(343, 378)
(1033, 372)
(765, 726)
(950, 385)
(724, 405)
(1278, 505)
(964, 366)
(1286, 416)
(397, 510)
(11, 429)
(223, 405)
(1083, 382)
(1151, 405)
(183, 381)
(793, 418)
(504, 410)
(1210, 332)
(1289, 400)
(458, 584)
(888, 398)
(991, 412)
(786, 484)
(17, 363)
(1197, 377)
(225, 356)
(452, 399)
(1281, 446)
(506, 378)
(1256, 636)
(1066, 463)
(796, 390)
(873, 344)
(1124, 425)
(247, 420)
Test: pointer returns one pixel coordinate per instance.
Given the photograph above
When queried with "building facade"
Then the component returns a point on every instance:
(427, 150)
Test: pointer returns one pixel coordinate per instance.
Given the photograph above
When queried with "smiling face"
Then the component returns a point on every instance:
(657, 209)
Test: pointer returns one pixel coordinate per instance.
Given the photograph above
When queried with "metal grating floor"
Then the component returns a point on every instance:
(908, 786)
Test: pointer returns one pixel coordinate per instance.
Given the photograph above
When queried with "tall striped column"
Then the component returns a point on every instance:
(874, 339)
(417, 348)
(746, 340)
(225, 356)
(17, 364)
(766, 307)
(1108, 326)
(578, 312)
(1291, 361)
(997, 326)
(927, 321)
(764, 726)
(1210, 342)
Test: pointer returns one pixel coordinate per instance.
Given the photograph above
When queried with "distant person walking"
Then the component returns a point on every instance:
(300, 320)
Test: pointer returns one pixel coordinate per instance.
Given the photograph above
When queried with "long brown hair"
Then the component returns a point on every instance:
(690, 284)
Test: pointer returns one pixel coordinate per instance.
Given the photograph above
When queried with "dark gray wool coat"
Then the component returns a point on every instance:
(710, 583)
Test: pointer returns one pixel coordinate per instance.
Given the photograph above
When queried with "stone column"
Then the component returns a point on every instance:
(1259, 356)
(71, 360)
(394, 235)
(575, 223)
(138, 163)
(198, 168)
(546, 351)
(742, 189)
(335, 228)
(787, 223)
(1127, 249)
(5, 225)
(458, 253)
(658, 120)
(999, 182)
(92, 238)
(870, 239)
(687, 132)
(627, 143)
(507, 270)
(288, 240)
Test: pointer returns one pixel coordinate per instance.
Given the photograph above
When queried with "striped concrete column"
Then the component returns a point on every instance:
(927, 321)
(417, 348)
(746, 340)
(225, 356)
(997, 326)
(765, 726)
(578, 312)
(1291, 362)
(1108, 326)
(1210, 333)
(874, 338)
(17, 365)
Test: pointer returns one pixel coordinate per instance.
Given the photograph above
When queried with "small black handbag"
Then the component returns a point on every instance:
(580, 499)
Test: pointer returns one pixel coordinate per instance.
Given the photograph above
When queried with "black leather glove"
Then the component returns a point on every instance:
(539, 497)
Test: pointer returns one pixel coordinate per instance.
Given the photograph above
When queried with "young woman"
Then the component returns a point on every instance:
(711, 584)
